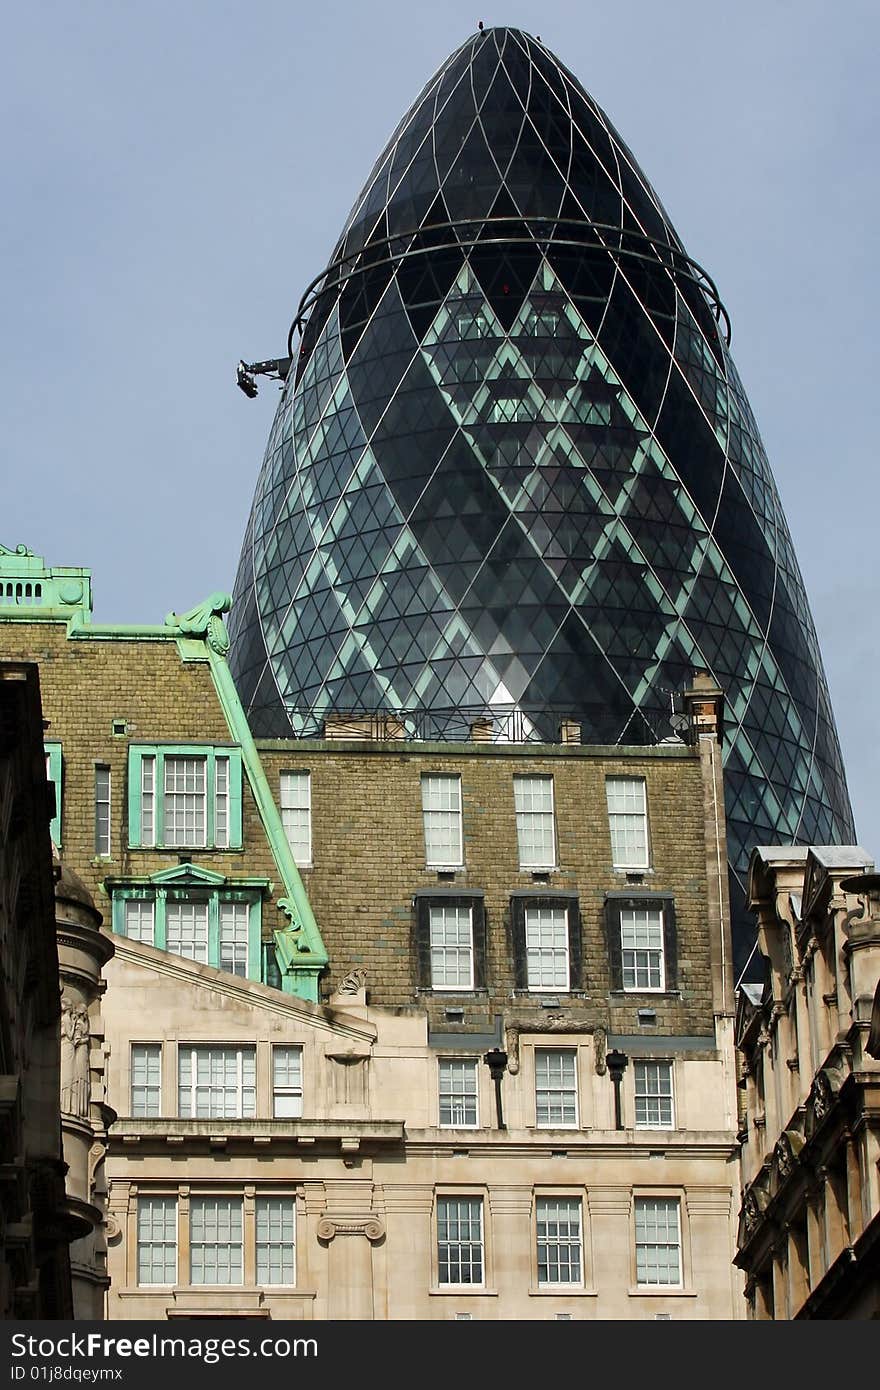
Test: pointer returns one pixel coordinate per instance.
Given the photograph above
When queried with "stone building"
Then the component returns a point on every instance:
(809, 1229)
(308, 1125)
(83, 951)
(35, 1223)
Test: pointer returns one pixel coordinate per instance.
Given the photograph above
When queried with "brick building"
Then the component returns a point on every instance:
(318, 944)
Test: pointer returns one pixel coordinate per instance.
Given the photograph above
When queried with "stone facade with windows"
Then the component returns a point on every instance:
(319, 942)
(809, 1226)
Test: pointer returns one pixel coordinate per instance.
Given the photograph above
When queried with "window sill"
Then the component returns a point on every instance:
(620, 869)
(645, 994)
(561, 1291)
(462, 1290)
(659, 1291)
(187, 849)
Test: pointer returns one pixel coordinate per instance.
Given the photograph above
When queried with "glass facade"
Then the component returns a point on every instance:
(514, 472)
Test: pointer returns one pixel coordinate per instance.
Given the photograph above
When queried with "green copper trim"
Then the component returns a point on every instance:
(31, 592)
(299, 949)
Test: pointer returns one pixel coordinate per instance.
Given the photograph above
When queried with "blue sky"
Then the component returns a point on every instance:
(175, 174)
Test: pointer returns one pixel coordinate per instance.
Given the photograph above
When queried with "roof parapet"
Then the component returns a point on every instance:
(32, 591)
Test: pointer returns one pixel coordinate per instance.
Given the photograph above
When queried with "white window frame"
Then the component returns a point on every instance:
(275, 1244)
(639, 959)
(444, 842)
(296, 815)
(538, 952)
(187, 928)
(224, 1205)
(456, 1097)
(140, 913)
(627, 801)
(243, 1091)
(536, 851)
(151, 1085)
(235, 926)
(562, 1093)
(287, 1081)
(149, 1204)
(438, 913)
(562, 1244)
(182, 802)
(460, 1256)
(103, 810)
(642, 1205)
(654, 1090)
(214, 798)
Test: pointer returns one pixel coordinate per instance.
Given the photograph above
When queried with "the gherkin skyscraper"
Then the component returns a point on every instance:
(514, 471)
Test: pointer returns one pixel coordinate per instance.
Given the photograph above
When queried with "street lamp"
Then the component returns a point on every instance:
(496, 1061)
(617, 1064)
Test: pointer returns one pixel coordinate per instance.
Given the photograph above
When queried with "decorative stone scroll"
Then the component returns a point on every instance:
(371, 1226)
(205, 620)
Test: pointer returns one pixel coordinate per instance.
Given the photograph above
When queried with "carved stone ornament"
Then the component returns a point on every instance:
(788, 1146)
(822, 1098)
(112, 1229)
(295, 929)
(511, 1045)
(206, 620)
(372, 1226)
(600, 1044)
(353, 982)
(75, 1087)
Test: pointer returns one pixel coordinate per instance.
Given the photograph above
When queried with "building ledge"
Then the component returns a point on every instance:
(346, 1136)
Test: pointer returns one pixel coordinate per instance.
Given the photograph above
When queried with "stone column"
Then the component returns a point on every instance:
(83, 950)
(610, 1230)
(350, 1229)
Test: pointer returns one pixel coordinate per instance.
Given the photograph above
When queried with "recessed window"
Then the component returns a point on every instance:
(216, 1083)
(458, 1093)
(460, 1240)
(215, 1240)
(441, 813)
(452, 947)
(449, 939)
(546, 936)
(641, 948)
(653, 1095)
(192, 913)
(287, 1082)
(276, 1240)
(547, 948)
(157, 1240)
(556, 1095)
(296, 814)
(184, 797)
(560, 1244)
(628, 822)
(658, 1240)
(146, 1079)
(102, 810)
(533, 801)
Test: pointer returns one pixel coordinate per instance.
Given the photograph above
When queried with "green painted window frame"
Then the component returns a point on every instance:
(160, 895)
(137, 752)
(55, 762)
